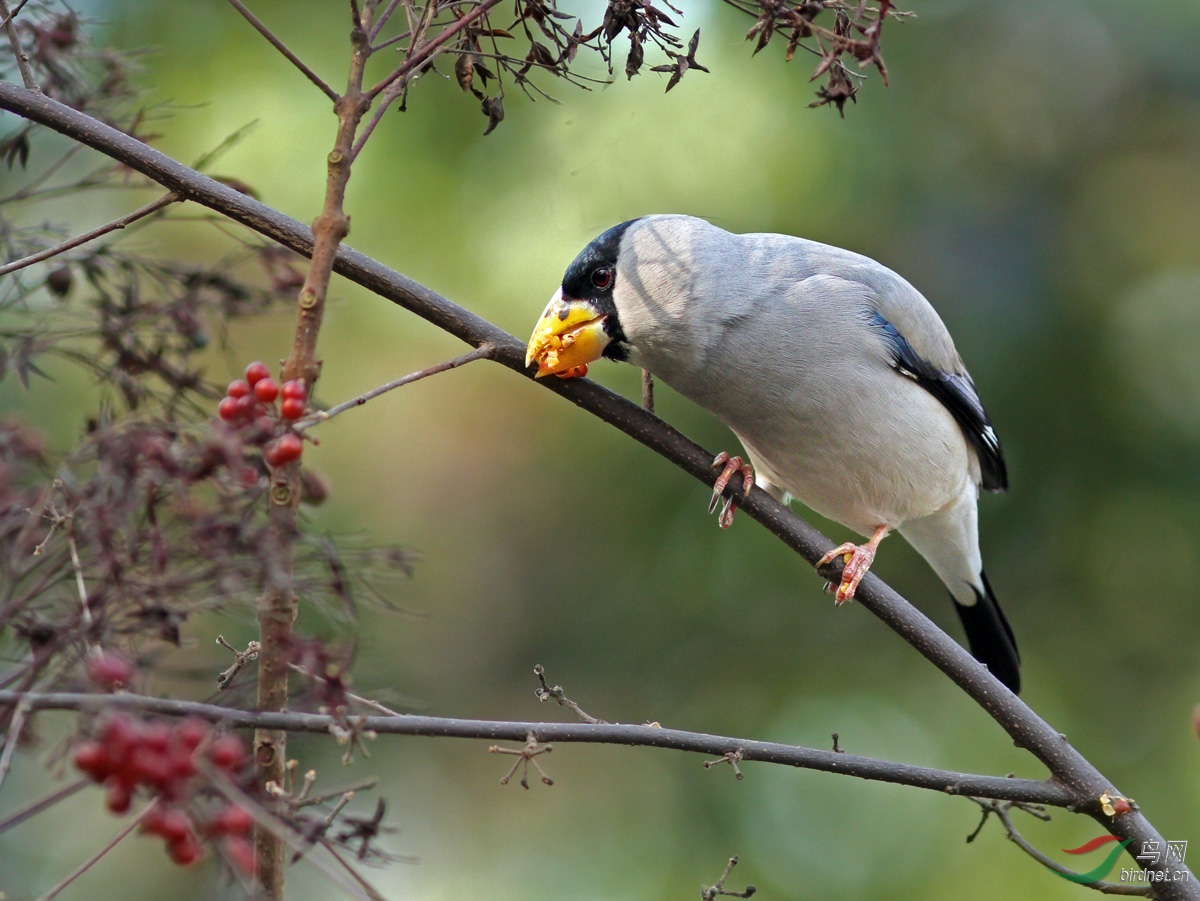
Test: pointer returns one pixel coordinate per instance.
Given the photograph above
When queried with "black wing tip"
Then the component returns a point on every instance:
(990, 637)
(957, 394)
(993, 472)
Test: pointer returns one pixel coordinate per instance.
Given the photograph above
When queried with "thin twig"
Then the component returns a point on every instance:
(34, 808)
(14, 735)
(483, 352)
(546, 693)
(117, 224)
(431, 47)
(1001, 810)
(79, 583)
(354, 874)
(19, 52)
(267, 820)
(394, 39)
(381, 107)
(13, 14)
(322, 798)
(320, 831)
(240, 659)
(381, 20)
(711, 892)
(117, 839)
(357, 699)
(282, 48)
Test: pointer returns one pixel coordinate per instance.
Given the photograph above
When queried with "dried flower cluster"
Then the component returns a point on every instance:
(549, 40)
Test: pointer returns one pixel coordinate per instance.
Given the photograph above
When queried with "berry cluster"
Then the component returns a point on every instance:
(128, 754)
(251, 401)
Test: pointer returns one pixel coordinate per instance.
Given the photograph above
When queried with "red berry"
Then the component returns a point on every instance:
(286, 449)
(150, 767)
(109, 669)
(169, 823)
(157, 736)
(292, 408)
(256, 372)
(227, 753)
(91, 757)
(233, 820)
(266, 390)
(295, 389)
(227, 409)
(184, 853)
(119, 736)
(117, 795)
(182, 766)
(191, 732)
(247, 406)
(238, 388)
(240, 853)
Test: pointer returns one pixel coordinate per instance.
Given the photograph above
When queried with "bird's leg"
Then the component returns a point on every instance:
(733, 465)
(856, 560)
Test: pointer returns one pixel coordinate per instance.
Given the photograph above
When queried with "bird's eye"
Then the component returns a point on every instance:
(602, 277)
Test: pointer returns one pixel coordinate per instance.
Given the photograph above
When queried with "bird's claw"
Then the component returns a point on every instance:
(856, 560)
(732, 466)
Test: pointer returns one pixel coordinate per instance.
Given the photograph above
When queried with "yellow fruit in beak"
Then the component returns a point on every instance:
(569, 335)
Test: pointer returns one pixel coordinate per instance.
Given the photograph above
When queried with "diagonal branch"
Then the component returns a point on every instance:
(1026, 728)
(482, 352)
(1029, 791)
(149, 209)
(95, 858)
(279, 45)
(12, 15)
(15, 43)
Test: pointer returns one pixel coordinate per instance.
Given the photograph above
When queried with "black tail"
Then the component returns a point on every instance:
(990, 637)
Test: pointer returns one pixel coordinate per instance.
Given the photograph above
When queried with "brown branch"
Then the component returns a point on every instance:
(948, 782)
(382, 19)
(279, 45)
(394, 39)
(17, 817)
(278, 605)
(18, 51)
(483, 352)
(16, 9)
(1027, 729)
(117, 224)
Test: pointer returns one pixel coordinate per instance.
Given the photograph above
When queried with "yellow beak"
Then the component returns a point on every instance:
(569, 335)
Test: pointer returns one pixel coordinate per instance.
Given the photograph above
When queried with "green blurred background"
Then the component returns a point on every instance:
(1032, 169)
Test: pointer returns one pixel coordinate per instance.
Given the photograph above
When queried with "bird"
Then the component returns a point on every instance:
(837, 376)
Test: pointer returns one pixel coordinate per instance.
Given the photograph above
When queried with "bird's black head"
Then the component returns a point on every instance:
(592, 276)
